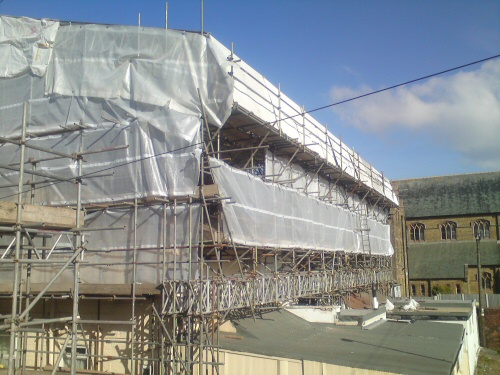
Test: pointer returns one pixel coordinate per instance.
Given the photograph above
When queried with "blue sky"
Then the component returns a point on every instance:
(324, 51)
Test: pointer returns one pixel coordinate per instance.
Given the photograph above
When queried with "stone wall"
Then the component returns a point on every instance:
(399, 243)
(464, 228)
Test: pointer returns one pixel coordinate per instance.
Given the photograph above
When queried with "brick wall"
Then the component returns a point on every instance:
(492, 328)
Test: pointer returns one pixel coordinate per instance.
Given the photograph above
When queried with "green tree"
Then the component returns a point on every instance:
(441, 289)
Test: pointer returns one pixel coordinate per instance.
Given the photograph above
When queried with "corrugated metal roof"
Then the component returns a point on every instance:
(470, 194)
(446, 260)
(417, 348)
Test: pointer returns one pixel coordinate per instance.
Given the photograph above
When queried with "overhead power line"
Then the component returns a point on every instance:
(289, 117)
(395, 86)
(377, 91)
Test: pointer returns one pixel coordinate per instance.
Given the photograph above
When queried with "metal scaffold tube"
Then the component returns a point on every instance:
(76, 267)
(259, 290)
(134, 276)
(17, 253)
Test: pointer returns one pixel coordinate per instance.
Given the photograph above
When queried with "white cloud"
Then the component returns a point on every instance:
(461, 111)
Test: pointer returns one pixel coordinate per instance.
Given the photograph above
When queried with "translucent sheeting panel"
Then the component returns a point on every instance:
(266, 214)
(109, 255)
(25, 45)
(297, 178)
(122, 86)
(153, 163)
(51, 114)
(140, 69)
(114, 246)
(144, 65)
(380, 238)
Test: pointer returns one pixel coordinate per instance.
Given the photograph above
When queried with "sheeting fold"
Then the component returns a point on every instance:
(110, 86)
(25, 45)
(266, 214)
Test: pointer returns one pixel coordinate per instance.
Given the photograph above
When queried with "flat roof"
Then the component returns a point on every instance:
(409, 348)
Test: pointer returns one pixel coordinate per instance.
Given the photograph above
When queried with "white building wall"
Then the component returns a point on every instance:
(252, 364)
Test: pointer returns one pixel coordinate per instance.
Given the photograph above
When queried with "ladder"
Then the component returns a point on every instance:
(364, 230)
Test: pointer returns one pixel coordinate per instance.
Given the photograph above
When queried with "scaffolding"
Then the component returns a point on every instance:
(142, 280)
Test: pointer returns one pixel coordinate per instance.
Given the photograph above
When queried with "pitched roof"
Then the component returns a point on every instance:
(447, 259)
(477, 193)
(421, 347)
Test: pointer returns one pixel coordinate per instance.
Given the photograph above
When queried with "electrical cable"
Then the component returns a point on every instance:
(387, 88)
(372, 92)
(404, 83)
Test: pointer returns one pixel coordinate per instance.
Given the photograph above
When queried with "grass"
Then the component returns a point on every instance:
(489, 362)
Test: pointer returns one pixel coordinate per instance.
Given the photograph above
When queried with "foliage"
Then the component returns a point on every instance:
(441, 289)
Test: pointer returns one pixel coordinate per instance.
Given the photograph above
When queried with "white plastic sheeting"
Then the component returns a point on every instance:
(109, 255)
(380, 238)
(107, 86)
(294, 176)
(25, 45)
(266, 214)
(147, 167)
(164, 68)
(115, 247)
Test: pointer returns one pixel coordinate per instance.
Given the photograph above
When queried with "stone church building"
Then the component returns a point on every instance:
(443, 219)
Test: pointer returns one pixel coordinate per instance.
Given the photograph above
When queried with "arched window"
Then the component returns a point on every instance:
(417, 232)
(487, 280)
(422, 290)
(481, 228)
(448, 230)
